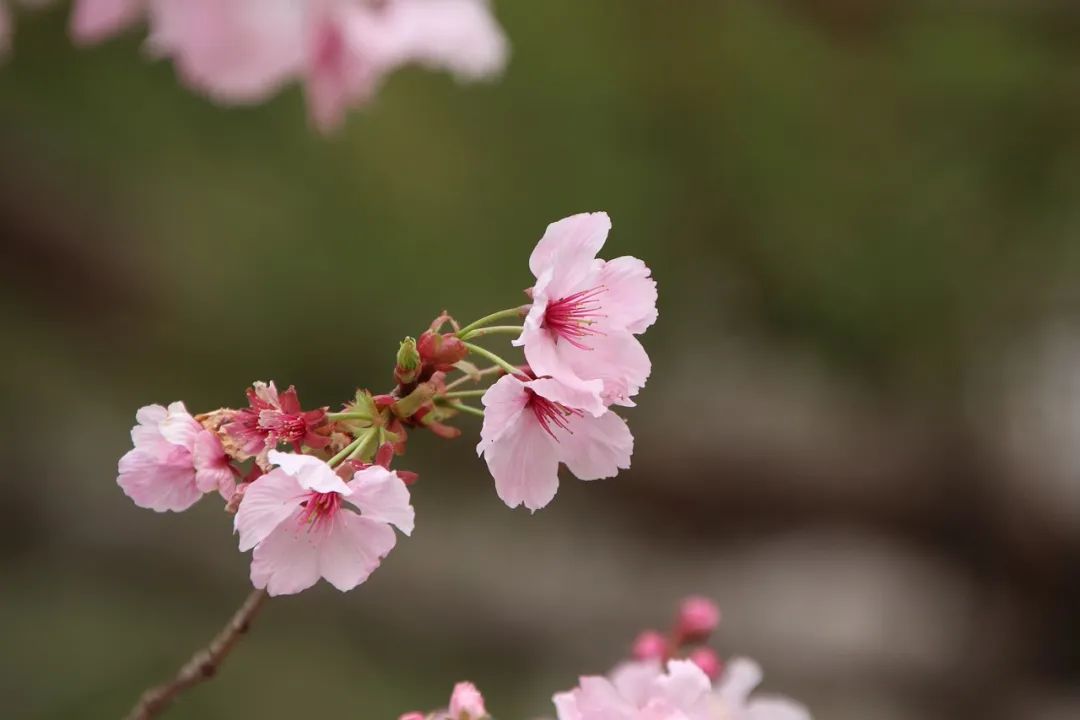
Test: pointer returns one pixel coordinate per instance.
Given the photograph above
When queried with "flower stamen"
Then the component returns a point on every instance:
(572, 317)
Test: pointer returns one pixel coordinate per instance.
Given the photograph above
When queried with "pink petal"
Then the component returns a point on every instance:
(383, 497)
(776, 709)
(570, 245)
(503, 403)
(287, 561)
(239, 51)
(685, 686)
(630, 300)
(635, 680)
(95, 20)
(159, 482)
(310, 472)
(740, 678)
(466, 702)
(616, 358)
(577, 395)
(267, 503)
(179, 428)
(461, 36)
(524, 464)
(566, 706)
(212, 469)
(352, 548)
(6, 30)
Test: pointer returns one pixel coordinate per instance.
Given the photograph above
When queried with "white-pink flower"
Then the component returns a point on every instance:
(586, 312)
(530, 426)
(174, 462)
(640, 691)
(731, 699)
(243, 51)
(296, 519)
(466, 703)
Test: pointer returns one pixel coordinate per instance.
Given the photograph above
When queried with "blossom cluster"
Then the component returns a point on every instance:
(313, 491)
(672, 677)
(244, 51)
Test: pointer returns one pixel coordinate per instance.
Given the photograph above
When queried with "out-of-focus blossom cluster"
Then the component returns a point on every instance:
(673, 676)
(244, 51)
(327, 507)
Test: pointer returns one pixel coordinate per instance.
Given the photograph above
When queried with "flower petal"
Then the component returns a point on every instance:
(352, 548)
(740, 678)
(685, 686)
(503, 403)
(95, 20)
(383, 497)
(569, 247)
(311, 472)
(630, 298)
(159, 482)
(267, 503)
(287, 561)
(596, 447)
(524, 464)
(572, 393)
(776, 709)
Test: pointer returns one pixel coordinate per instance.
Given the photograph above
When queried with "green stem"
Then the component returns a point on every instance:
(466, 408)
(464, 393)
(337, 459)
(496, 330)
(348, 416)
(484, 352)
(466, 377)
(488, 319)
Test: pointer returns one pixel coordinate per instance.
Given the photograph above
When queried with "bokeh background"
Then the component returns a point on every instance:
(862, 433)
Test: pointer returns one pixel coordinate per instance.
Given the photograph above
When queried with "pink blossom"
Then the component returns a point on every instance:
(174, 462)
(6, 29)
(650, 645)
(731, 699)
(95, 20)
(274, 418)
(586, 312)
(244, 51)
(698, 617)
(466, 703)
(530, 426)
(640, 691)
(295, 519)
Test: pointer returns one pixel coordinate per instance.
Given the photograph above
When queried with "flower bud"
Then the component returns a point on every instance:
(439, 351)
(466, 703)
(698, 617)
(650, 645)
(408, 362)
(708, 661)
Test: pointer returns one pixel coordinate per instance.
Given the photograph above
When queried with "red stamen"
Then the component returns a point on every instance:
(572, 317)
(319, 508)
(551, 415)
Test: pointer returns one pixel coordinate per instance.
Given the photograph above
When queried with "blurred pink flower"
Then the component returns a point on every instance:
(466, 703)
(532, 426)
(731, 699)
(175, 460)
(586, 311)
(244, 51)
(6, 29)
(640, 691)
(95, 20)
(293, 518)
(698, 617)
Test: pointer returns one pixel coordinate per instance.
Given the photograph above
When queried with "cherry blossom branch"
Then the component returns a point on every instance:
(203, 665)
(488, 319)
(474, 377)
(496, 330)
(484, 352)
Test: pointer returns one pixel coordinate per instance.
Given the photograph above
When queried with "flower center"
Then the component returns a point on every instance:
(550, 414)
(572, 317)
(319, 508)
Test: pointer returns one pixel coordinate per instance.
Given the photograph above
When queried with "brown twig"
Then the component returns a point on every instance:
(203, 665)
